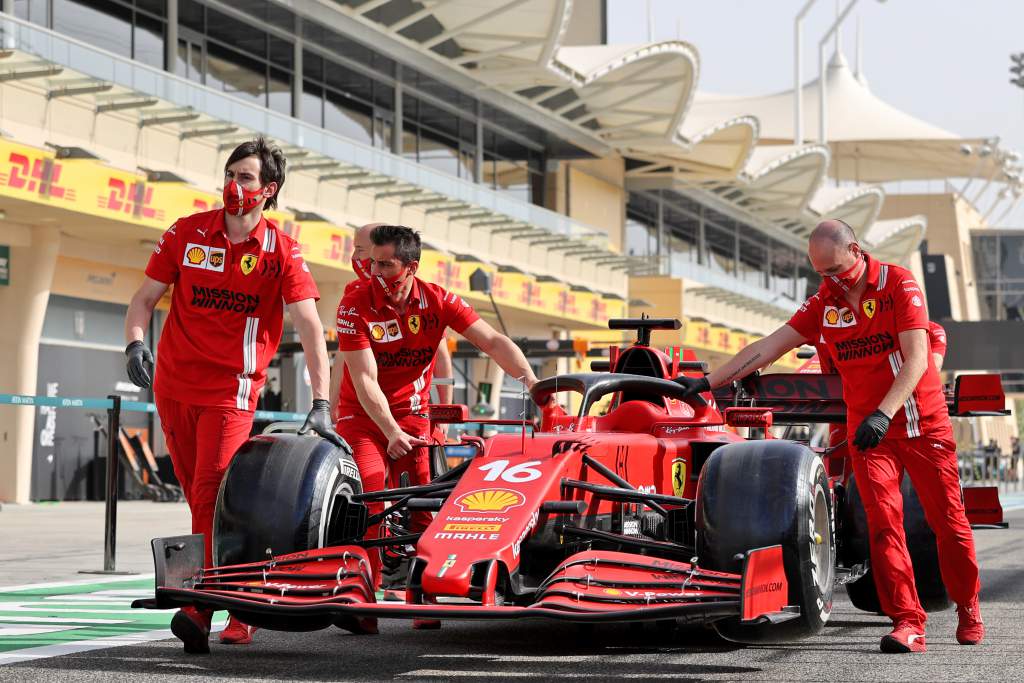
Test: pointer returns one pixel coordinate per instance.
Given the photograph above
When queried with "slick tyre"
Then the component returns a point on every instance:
(276, 497)
(760, 493)
(921, 544)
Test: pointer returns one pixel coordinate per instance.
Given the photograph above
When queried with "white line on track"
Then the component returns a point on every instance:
(82, 582)
(34, 653)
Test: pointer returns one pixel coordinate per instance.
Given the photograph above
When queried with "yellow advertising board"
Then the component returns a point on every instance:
(90, 187)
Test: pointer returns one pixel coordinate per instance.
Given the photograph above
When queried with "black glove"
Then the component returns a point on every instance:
(319, 421)
(140, 364)
(693, 385)
(871, 431)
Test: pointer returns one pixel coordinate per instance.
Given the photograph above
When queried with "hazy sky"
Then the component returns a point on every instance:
(944, 61)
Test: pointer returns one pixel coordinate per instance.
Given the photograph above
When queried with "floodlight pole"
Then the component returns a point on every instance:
(822, 88)
(798, 79)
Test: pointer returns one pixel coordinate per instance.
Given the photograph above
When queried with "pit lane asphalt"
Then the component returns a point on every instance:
(846, 651)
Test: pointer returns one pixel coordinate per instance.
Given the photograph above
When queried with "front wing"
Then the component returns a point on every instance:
(314, 589)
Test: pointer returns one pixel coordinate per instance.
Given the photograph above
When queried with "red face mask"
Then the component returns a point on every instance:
(843, 282)
(239, 201)
(390, 286)
(362, 267)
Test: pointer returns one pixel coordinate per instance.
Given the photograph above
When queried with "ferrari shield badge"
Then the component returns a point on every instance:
(678, 477)
(414, 324)
(870, 306)
(248, 263)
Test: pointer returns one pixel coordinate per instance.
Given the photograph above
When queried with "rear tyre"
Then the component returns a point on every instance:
(760, 493)
(921, 544)
(276, 497)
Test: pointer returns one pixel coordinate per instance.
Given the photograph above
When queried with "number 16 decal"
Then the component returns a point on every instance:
(523, 472)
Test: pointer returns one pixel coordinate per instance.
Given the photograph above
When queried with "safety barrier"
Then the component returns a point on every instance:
(114, 405)
(983, 467)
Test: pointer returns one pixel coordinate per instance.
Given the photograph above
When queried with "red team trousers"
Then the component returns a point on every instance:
(932, 465)
(378, 471)
(202, 440)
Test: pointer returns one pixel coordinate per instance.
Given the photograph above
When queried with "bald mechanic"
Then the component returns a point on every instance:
(388, 333)
(871, 316)
(361, 246)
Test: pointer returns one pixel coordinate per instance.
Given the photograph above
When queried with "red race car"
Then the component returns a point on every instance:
(652, 509)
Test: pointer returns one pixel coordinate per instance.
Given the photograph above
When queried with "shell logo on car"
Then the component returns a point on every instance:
(489, 500)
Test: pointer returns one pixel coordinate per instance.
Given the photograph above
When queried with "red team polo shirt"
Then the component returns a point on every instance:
(405, 346)
(864, 345)
(226, 308)
(937, 338)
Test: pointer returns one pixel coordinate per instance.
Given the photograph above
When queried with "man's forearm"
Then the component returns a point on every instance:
(136, 321)
(315, 349)
(510, 359)
(903, 385)
(750, 358)
(443, 370)
(373, 401)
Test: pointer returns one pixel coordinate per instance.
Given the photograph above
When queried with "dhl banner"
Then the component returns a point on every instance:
(88, 186)
(322, 243)
(614, 307)
(721, 339)
(706, 336)
(696, 335)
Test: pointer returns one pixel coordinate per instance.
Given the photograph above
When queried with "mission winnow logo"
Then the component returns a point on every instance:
(224, 300)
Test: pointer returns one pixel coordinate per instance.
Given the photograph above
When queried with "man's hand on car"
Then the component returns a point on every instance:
(319, 421)
(694, 386)
(140, 364)
(871, 431)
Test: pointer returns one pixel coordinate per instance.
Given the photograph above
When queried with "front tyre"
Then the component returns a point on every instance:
(277, 495)
(760, 493)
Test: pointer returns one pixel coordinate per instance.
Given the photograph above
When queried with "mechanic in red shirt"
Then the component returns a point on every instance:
(388, 333)
(871, 316)
(361, 246)
(232, 272)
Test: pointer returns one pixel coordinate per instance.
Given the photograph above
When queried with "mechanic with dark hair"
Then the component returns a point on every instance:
(388, 334)
(231, 272)
(361, 246)
(871, 316)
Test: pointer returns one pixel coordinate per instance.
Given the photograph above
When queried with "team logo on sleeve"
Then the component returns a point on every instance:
(870, 306)
(838, 317)
(248, 263)
(414, 324)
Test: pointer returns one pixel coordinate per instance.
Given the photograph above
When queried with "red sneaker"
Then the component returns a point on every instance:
(426, 624)
(904, 638)
(970, 630)
(236, 632)
(192, 627)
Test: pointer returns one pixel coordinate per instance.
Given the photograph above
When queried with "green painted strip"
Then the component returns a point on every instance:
(49, 606)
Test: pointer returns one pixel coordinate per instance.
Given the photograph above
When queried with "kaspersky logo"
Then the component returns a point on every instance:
(490, 500)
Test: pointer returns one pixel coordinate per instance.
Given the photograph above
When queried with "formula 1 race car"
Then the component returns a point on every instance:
(654, 509)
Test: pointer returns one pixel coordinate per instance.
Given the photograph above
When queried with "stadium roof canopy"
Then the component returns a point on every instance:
(640, 100)
(870, 140)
